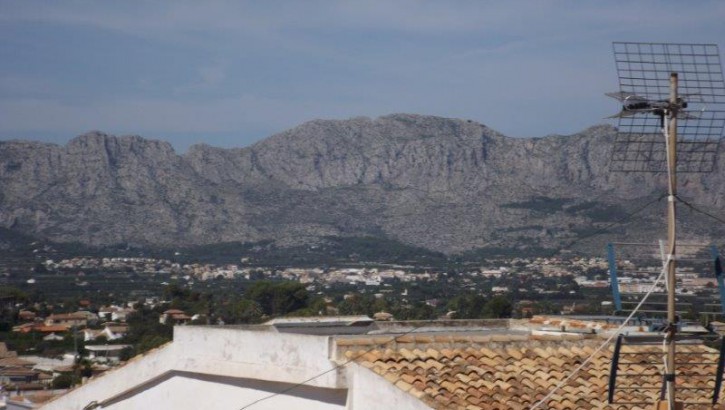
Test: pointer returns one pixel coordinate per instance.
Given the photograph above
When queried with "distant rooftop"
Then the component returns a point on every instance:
(361, 325)
(320, 320)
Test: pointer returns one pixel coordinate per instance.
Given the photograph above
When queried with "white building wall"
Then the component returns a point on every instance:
(223, 351)
(265, 355)
(370, 391)
(228, 368)
(116, 381)
(181, 392)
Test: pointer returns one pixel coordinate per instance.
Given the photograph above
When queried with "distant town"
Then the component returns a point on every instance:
(113, 308)
(585, 272)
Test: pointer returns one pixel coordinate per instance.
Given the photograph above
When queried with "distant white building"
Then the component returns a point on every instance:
(105, 353)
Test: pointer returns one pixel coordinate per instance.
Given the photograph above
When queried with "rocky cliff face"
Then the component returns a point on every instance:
(444, 184)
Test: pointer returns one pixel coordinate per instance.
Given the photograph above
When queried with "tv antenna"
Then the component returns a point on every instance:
(671, 120)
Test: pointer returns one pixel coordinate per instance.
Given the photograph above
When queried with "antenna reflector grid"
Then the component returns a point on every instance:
(644, 71)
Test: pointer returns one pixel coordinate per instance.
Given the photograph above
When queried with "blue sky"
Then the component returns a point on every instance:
(231, 73)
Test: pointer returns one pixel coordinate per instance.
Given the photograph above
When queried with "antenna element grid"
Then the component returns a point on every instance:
(644, 71)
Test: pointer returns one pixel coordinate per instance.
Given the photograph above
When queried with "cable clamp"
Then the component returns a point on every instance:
(670, 377)
(671, 198)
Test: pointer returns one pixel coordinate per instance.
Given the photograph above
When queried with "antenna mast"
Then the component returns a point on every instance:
(650, 139)
(670, 133)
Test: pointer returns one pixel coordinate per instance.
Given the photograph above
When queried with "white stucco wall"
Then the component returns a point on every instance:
(152, 365)
(370, 391)
(221, 351)
(228, 368)
(181, 392)
(266, 355)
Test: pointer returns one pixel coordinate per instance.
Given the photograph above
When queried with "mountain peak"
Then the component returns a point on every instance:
(440, 183)
(102, 140)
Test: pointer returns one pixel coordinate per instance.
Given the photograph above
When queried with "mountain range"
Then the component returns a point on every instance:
(448, 185)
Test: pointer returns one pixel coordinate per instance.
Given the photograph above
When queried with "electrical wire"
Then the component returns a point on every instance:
(700, 211)
(603, 345)
(606, 228)
(336, 367)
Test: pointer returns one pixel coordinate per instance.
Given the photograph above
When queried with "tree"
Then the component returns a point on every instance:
(357, 304)
(417, 311)
(63, 381)
(149, 342)
(39, 268)
(13, 294)
(126, 354)
(174, 291)
(315, 307)
(468, 306)
(244, 311)
(498, 307)
(278, 298)
(145, 331)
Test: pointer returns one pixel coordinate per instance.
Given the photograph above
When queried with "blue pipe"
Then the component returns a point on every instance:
(615, 282)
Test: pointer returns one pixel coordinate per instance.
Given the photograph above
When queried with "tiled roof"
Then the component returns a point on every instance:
(120, 328)
(4, 352)
(14, 362)
(52, 329)
(68, 316)
(40, 397)
(17, 371)
(559, 322)
(26, 314)
(514, 372)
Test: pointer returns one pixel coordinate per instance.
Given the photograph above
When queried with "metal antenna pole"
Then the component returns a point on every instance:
(671, 240)
(661, 84)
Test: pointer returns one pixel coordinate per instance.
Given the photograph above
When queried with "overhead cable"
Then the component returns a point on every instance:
(700, 211)
(603, 345)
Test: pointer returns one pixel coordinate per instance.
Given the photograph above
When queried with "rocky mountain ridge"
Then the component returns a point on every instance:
(445, 184)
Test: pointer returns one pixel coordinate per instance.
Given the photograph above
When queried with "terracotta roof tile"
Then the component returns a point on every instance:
(514, 373)
(14, 362)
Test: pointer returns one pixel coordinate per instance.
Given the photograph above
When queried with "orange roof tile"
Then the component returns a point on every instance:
(52, 329)
(516, 373)
(68, 316)
(15, 362)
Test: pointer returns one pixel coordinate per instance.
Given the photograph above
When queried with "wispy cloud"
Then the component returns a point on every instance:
(210, 77)
(228, 66)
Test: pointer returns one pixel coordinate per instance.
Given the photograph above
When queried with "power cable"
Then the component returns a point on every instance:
(618, 330)
(700, 211)
(606, 228)
(336, 367)
(603, 345)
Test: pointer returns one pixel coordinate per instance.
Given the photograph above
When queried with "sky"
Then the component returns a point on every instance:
(231, 73)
